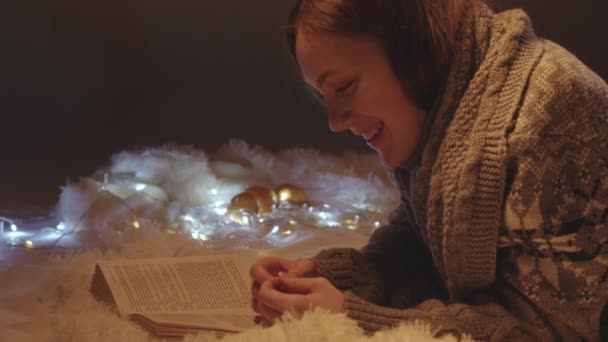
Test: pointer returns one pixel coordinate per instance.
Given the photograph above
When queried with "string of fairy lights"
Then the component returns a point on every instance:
(262, 211)
(12, 234)
(5, 221)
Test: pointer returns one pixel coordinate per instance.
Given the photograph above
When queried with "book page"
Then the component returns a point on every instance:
(207, 284)
(181, 324)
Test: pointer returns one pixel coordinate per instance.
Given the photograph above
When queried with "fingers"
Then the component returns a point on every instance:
(269, 267)
(277, 286)
(264, 269)
(268, 315)
(275, 295)
(302, 267)
(306, 293)
(260, 271)
(301, 285)
(255, 288)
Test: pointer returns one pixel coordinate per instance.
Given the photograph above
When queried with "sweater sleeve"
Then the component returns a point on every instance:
(486, 322)
(372, 272)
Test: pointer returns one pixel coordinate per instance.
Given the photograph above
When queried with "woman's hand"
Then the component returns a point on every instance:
(271, 267)
(296, 295)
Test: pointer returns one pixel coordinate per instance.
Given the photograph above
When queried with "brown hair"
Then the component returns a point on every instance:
(417, 35)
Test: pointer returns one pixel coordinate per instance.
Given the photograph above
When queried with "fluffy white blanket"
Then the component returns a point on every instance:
(47, 298)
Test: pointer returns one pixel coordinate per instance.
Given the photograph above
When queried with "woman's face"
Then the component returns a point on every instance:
(354, 77)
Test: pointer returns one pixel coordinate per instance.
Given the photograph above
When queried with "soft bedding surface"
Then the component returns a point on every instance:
(172, 201)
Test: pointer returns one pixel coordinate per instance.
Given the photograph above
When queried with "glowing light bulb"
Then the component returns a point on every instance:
(29, 244)
(293, 222)
(220, 211)
(332, 224)
(214, 192)
(377, 224)
(136, 224)
(14, 227)
(61, 226)
(241, 217)
(140, 187)
(275, 230)
(324, 215)
(287, 232)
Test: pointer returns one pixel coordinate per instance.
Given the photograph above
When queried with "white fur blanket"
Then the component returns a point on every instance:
(47, 298)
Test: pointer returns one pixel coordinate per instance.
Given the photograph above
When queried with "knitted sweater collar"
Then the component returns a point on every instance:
(472, 112)
(466, 60)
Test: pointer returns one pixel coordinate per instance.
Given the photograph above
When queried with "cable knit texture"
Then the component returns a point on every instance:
(503, 227)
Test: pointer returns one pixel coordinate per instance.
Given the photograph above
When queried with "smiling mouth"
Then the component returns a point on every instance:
(373, 132)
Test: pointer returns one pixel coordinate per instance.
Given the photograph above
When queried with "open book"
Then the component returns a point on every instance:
(176, 296)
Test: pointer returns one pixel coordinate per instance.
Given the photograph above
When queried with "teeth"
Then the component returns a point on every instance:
(371, 133)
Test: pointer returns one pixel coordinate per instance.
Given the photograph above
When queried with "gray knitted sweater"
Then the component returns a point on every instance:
(503, 227)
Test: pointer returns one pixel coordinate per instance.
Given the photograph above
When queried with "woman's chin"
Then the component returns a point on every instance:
(391, 161)
(388, 162)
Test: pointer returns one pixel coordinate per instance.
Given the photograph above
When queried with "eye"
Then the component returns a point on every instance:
(345, 87)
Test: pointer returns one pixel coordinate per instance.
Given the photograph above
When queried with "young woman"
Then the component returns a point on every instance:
(498, 141)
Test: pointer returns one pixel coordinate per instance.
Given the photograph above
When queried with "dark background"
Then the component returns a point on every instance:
(83, 79)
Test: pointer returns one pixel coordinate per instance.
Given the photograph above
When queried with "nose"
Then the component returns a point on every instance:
(338, 120)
